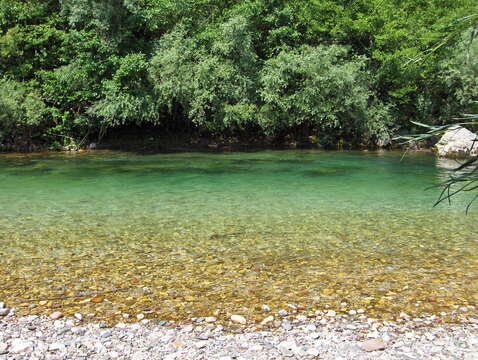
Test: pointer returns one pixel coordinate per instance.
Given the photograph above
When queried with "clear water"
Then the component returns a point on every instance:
(176, 236)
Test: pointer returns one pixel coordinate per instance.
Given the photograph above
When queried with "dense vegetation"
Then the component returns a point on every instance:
(72, 71)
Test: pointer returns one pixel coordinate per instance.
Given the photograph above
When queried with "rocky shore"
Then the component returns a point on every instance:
(325, 336)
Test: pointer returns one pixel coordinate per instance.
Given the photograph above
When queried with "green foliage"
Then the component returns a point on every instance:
(322, 89)
(212, 79)
(356, 71)
(21, 112)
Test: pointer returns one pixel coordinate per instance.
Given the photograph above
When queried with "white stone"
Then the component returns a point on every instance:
(313, 352)
(78, 317)
(301, 318)
(458, 142)
(140, 316)
(266, 308)
(211, 319)
(19, 346)
(267, 320)
(360, 311)
(2, 305)
(56, 347)
(238, 319)
(331, 313)
(282, 312)
(352, 312)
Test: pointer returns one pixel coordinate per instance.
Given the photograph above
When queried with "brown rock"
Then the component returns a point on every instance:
(373, 345)
(56, 315)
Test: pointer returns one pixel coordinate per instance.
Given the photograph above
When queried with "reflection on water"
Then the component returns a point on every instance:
(181, 235)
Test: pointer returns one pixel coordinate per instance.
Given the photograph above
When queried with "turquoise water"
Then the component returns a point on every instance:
(194, 234)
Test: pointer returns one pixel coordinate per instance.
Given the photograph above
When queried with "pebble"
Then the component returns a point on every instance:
(313, 352)
(78, 317)
(266, 308)
(56, 315)
(267, 320)
(18, 346)
(211, 319)
(286, 325)
(4, 312)
(238, 319)
(282, 313)
(338, 340)
(372, 345)
(2, 305)
(140, 316)
(352, 312)
(331, 313)
(360, 311)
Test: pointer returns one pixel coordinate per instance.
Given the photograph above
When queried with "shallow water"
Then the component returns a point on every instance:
(176, 236)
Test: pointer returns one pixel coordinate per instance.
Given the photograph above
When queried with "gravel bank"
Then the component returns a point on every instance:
(325, 337)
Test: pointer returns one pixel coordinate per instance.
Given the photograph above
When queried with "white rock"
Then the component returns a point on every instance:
(313, 352)
(3, 348)
(113, 355)
(56, 347)
(140, 316)
(211, 319)
(267, 320)
(238, 319)
(352, 312)
(266, 308)
(301, 318)
(78, 317)
(2, 305)
(4, 312)
(360, 311)
(282, 312)
(331, 313)
(19, 346)
(457, 142)
(256, 348)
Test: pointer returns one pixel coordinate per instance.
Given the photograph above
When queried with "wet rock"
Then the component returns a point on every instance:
(57, 347)
(238, 319)
(373, 345)
(56, 315)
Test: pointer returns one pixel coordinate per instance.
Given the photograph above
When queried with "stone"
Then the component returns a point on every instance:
(360, 311)
(140, 316)
(78, 317)
(56, 315)
(106, 334)
(313, 352)
(352, 312)
(286, 325)
(266, 308)
(3, 348)
(301, 318)
(210, 319)
(56, 347)
(267, 320)
(4, 312)
(282, 313)
(458, 142)
(2, 305)
(238, 319)
(331, 313)
(19, 346)
(372, 345)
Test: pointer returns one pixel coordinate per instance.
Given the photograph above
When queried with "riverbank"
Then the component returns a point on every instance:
(325, 337)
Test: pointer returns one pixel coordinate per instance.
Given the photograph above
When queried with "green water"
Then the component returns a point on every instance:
(175, 236)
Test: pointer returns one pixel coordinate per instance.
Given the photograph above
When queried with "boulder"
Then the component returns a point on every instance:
(458, 142)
